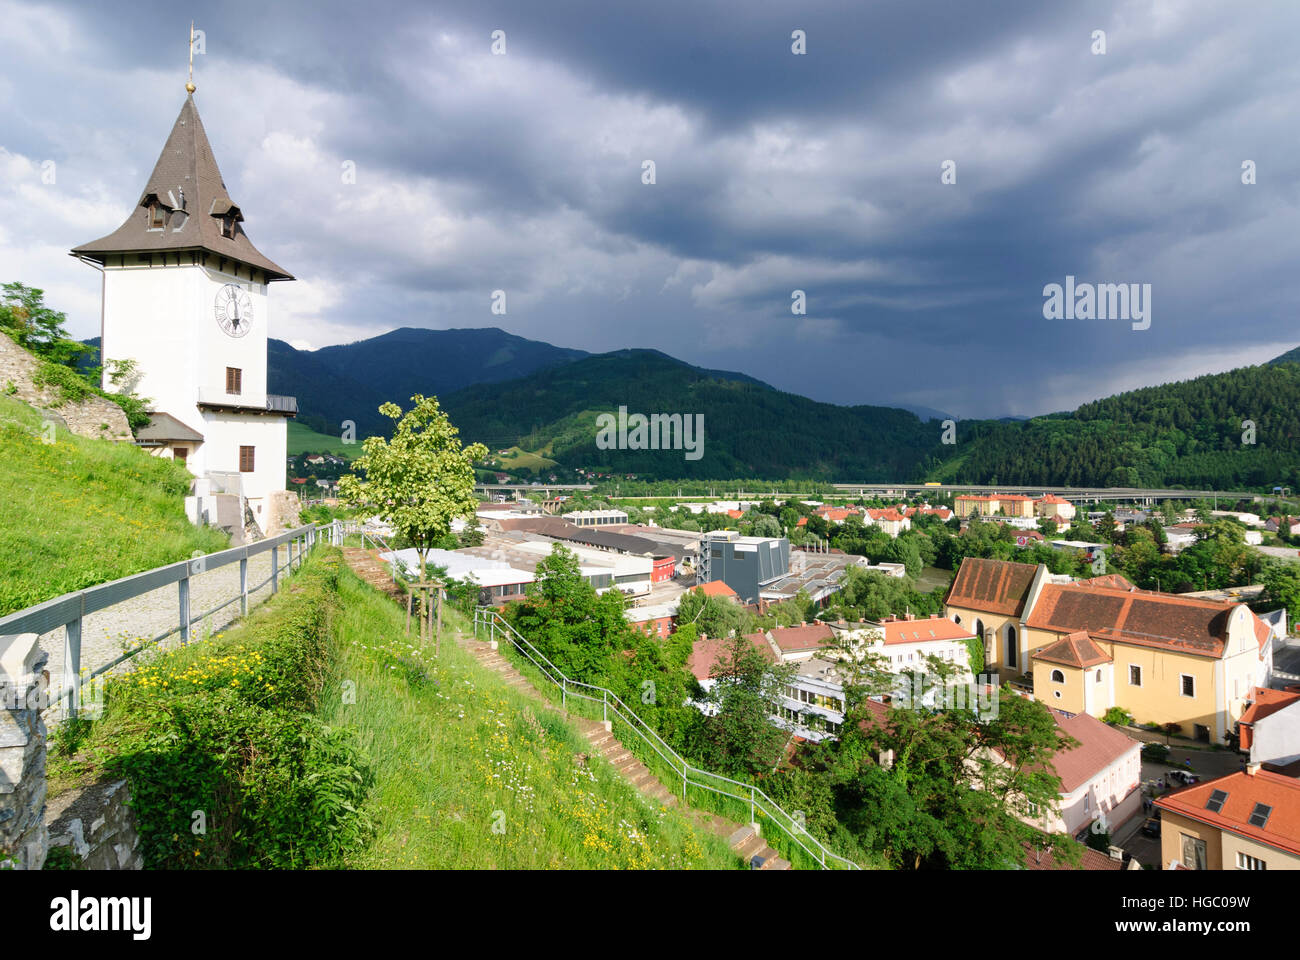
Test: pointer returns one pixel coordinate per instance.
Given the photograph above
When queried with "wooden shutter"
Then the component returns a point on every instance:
(245, 459)
(234, 380)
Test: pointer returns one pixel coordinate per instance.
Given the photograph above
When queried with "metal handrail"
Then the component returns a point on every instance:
(756, 798)
(69, 610)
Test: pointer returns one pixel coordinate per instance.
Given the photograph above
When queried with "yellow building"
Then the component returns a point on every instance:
(1093, 644)
(1245, 821)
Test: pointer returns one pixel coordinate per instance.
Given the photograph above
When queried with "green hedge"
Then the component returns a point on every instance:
(227, 764)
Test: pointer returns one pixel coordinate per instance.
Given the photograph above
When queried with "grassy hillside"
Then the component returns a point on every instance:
(78, 512)
(303, 439)
(314, 735)
(457, 753)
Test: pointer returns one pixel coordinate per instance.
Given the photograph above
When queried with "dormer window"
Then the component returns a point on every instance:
(228, 227)
(157, 215)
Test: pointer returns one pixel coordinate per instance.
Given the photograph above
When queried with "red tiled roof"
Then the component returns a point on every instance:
(735, 514)
(1264, 702)
(705, 653)
(716, 588)
(1051, 498)
(889, 514)
(806, 637)
(1161, 620)
(992, 586)
(1090, 860)
(1074, 650)
(924, 630)
(1099, 747)
(1116, 581)
(1245, 790)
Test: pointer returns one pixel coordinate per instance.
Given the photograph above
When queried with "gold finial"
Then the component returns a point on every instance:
(189, 84)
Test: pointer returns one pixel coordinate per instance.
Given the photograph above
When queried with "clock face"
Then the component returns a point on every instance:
(234, 308)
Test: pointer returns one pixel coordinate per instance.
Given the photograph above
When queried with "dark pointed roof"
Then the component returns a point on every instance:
(194, 220)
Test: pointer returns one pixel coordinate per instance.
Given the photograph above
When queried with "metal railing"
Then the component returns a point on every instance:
(497, 626)
(69, 610)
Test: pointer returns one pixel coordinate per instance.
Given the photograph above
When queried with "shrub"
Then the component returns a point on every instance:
(1155, 752)
(227, 764)
(1118, 716)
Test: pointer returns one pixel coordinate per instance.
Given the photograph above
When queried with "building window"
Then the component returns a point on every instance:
(1245, 862)
(1193, 853)
(234, 380)
(180, 453)
(1011, 646)
(228, 227)
(1058, 676)
(1187, 685)
(156, 216)
(1134, 675)
(1099, 676)
(246, 460)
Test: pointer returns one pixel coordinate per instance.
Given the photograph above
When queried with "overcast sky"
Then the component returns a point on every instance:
(775, 172)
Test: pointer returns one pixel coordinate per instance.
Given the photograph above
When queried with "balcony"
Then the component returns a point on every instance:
(251, 402)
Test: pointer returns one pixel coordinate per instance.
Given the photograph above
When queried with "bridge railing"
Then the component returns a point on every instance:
(70, 610)
(498, 628)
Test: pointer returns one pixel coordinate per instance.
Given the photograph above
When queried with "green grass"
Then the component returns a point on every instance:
(518, 459)
(725, 804)
(303, 439)
(78, 512)
(472, 774)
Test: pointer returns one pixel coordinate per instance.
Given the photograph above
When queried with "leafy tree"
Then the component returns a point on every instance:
(35, 326)
(747, 691)
(421, 479)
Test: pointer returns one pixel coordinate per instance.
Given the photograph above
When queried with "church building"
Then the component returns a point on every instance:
(185, 298)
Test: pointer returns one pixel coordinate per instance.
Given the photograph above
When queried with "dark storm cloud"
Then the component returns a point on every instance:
(774, 173)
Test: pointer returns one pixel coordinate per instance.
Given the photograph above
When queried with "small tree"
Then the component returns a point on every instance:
(420, 480)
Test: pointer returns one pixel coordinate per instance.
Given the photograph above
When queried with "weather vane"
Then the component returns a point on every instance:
(189, 84)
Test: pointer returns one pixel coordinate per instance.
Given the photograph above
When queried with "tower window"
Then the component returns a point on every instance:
(228, 227)
(234, 380)
(245, 459)
(156, 216)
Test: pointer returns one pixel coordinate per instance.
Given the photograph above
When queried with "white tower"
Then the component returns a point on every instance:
(185, 297)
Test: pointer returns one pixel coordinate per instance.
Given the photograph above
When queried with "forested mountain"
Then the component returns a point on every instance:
(751, 430)
(505, 390)
(1196, 433)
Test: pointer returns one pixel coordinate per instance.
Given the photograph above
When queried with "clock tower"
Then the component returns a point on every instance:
(185, 298)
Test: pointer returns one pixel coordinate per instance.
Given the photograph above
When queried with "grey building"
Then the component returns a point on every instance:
(745, 564)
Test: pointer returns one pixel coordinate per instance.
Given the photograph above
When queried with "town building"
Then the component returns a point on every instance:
(595, 518)
(1248, 820)
(1055, 508)
(746, 564)
(185, 298)
(1090, 645)
(1269, 728)
(1101, 778)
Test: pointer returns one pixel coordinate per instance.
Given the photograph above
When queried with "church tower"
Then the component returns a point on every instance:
(185, 298)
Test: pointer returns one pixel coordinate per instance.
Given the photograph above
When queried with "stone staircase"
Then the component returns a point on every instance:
(367, 565)
(745, 839)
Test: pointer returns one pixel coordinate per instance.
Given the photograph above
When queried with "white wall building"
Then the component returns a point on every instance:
(185, 297)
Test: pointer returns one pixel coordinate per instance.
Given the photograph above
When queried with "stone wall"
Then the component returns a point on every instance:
(282, 512)
(23, 834)
(96, 822)
(92, 417)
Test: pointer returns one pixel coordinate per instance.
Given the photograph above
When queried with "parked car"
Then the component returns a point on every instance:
(1151, 827)
(1183, 777)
